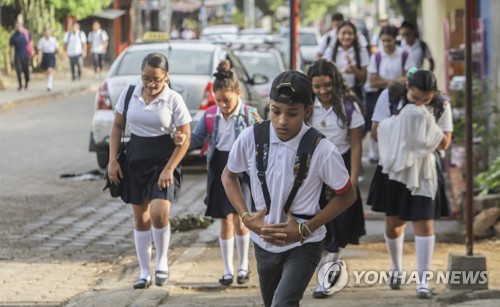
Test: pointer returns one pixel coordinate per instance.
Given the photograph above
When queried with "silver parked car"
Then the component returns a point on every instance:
(191, 68)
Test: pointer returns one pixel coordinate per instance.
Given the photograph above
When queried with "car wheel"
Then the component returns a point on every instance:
(102, 158)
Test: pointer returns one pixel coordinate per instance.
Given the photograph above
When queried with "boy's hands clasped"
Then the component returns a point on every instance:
(276, 234)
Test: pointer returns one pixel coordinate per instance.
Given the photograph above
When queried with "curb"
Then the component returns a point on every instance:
(13, 104)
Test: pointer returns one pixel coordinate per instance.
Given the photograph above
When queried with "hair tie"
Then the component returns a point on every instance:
(411, 71)
(223, 75)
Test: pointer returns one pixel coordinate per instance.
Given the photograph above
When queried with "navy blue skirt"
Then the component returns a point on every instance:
(394, 199)
(48, 60)
(218, 205)
(146, 158)
(349, 225)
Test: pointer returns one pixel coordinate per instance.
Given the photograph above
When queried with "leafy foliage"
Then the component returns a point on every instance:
(77, 8)
(490, 180)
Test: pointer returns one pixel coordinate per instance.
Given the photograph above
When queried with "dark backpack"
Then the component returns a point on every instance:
(307, 145)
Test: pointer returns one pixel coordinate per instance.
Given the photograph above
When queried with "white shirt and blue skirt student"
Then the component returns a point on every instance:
(348, 226)
(392, 197)
(48, 46)
(221, 139)
(151, 145)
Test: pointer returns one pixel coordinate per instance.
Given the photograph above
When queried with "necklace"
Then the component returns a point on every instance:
(147, 100)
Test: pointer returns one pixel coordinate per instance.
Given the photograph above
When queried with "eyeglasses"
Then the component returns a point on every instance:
(146, 80)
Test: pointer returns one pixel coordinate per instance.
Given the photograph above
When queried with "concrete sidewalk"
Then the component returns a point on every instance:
(37, 91)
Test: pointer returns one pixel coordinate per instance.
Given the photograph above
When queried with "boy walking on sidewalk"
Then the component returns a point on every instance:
(286, 183)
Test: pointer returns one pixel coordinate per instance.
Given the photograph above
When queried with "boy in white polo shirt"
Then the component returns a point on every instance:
(288, 246)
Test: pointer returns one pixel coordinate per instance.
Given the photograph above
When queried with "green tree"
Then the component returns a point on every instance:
(62, 8)
(309, 10)
(408, 8)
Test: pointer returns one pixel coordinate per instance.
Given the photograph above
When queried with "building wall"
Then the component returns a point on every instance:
(435, 13)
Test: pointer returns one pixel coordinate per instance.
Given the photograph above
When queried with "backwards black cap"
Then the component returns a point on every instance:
(291, 87)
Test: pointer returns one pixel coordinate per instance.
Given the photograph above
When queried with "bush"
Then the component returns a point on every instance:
(489, 180)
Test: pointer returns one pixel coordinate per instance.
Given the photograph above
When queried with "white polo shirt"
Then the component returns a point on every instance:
(341, 61)
(161, 116)
(382, 111)
(391, 66)
(324, 42)
(48, 45)
(225, 131)
(415, 52)
(97, 39)
(327, 122)
(75, 42)
(326, 166)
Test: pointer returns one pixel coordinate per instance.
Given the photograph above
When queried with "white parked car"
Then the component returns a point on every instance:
(191, 68)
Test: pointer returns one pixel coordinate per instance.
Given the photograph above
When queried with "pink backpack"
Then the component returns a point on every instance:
(210, 122)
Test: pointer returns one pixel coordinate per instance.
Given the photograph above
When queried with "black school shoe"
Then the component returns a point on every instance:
(161, 277)
(226, 280)
(142, 283)
(243, 279)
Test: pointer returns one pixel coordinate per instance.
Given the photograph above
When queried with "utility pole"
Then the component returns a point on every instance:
(249, 9)
(294, 44)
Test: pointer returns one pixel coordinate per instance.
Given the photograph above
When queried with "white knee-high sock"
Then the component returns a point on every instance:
(49, 81)
(395, 248)
(161, 237)
(424, 248)
(227, 250)
(143, 249)
(243, 245)
(373, 151)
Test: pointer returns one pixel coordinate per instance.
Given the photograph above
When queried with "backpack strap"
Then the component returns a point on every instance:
(378, 60)
(349, 109)
(261, 137)
(307, 145)
(128, 96)
(403, 60)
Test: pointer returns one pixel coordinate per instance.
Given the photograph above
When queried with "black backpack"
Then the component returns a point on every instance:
(307, 145)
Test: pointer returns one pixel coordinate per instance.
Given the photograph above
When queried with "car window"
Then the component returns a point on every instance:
(306, 39)
(181, 61)
(259, 62)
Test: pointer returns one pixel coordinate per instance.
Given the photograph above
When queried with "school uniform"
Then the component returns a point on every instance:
(348, 226)
(98, 39)
(390, 67)
(151, 145)
(48, 46)
(326, 40)
(341, 62)
(222, 137)
(75, 43)
(393, 197)
(416, 53)
(298, 262)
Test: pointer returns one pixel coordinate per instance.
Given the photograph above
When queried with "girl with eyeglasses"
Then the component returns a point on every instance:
(151, 179)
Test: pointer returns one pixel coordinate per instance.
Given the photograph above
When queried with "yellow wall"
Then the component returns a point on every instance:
(434, 14)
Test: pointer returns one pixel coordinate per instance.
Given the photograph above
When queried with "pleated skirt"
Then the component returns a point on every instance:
(146, 158)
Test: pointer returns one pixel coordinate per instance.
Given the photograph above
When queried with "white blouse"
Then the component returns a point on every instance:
(327, 122)
(48, 45)
(161, 116)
